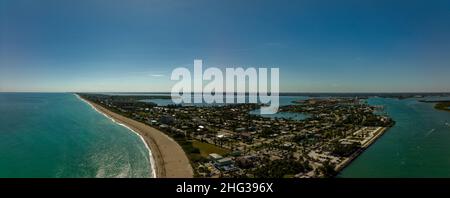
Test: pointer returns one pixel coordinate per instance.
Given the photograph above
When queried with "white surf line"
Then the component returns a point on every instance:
(152, 161)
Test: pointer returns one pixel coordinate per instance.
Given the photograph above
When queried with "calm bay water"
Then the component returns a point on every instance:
(58, 135)
(417, 146)
(283, 100)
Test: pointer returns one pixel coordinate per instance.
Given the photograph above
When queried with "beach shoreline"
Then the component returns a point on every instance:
(167, 158)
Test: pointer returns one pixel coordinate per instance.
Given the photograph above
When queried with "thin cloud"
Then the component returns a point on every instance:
(157, 75)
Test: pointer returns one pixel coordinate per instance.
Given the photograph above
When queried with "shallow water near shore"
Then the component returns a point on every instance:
(58, 135)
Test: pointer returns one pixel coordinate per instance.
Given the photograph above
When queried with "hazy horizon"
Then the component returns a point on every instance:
(319, 46)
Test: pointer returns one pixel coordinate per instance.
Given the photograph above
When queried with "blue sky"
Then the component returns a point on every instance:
(319, 46)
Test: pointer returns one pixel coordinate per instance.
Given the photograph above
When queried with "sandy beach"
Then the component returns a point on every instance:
(169, 159)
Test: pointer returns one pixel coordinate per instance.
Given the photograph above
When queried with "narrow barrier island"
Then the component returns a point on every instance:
(231, 141)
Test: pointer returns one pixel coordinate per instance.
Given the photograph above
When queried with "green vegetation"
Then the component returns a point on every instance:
(281, 168)
(192, 152)
(345, 150)
(267, 132)
(327, 170)
(206, 148)
(266, 147)
(445, 106)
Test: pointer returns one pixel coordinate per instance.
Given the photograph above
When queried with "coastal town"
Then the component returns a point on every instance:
(228, 141)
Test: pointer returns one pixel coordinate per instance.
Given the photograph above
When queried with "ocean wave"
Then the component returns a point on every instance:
(152, 161)
(430, 132)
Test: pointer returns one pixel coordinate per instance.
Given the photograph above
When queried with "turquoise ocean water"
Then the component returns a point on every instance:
(58, 135)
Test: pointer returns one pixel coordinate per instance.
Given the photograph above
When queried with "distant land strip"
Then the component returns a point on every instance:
(443, 105)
